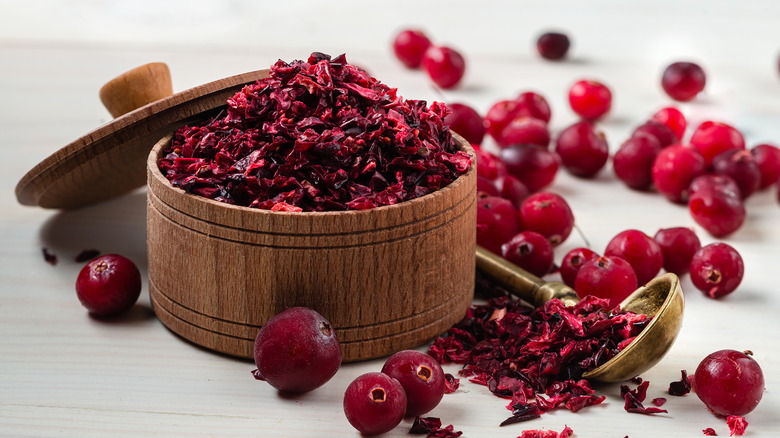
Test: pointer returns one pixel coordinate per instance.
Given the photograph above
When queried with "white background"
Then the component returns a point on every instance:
(63, 373)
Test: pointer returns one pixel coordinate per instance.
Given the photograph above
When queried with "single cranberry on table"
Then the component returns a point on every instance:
(683, 81)
(720, 212)
(590, 99)
(535, 166)
(108, 285)
(297, 351)
(713, 138)
(511, 188)
(465, 121)
(530, 251)
(607, 277)
(678, 245)
(553, 45)
(444, 65)
(673, 170)
(662, 133)
(767, 157)
(739, 165)
(672, 118)
(489, 166)
(497, 222)
(547, 214)
(421, 377)
(409, 46)
(717, 269)
(640, 251)
(525, 130)
(729, 382)
(633, 162)
(375, 403)
(572, 262)
(583, 149)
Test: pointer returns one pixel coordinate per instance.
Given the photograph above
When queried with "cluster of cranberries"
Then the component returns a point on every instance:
(444, 65)
(411, 383)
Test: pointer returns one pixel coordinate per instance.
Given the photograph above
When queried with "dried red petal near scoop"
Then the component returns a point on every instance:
(50, 258)
(538, 433)
(447, 431)
(424, 425)
(316, 135)
(635, 397)
(737, 425)
(451, 383)
(87, 255)
(709, 432)
(681, 387)
(659, 401)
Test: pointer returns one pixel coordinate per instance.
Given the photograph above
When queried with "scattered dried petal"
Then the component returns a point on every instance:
(537, 433)
(737, 425)
(423, 425)
(256, 374)
(659, 401)
(709, 432)
(681, 387)
(451, 383)
(49, 257)
(635, 397)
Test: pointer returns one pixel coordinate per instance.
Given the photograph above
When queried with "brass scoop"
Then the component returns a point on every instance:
(661, 298)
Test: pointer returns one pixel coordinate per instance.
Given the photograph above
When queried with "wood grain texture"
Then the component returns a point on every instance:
(109, 161)
(388, 278)
(137, 87)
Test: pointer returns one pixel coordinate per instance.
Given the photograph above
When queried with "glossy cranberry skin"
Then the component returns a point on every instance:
(717, 269)
(633, 162)
(662, 133)
(672, 118)
(297, 350)
(486, 187)
(767, 157)
(606, 277)
(729, 382)
(535, 166)
(673, 170)
(466, 121)
(640, 251)
(553, 46)
(530, 251)
(444, 65)
(489, 166)
(422, 379)
(525, 130)
(590, 99)
(740, 166)
(712, 181)
(713, 138)
(547, 214)
(534, 105)
(108, 285)
(374, 403)
(572, 262)
(527, 104)
(583, 149)
(720, 212)
(496, 222)
(512, 189)
(678, 245)
(410, 46)
(682, 81)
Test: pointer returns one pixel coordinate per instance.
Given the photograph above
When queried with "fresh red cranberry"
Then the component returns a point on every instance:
(720, 212)
(572, 262)
(466, 121)
(547, 214)
(499, 115)
(673, 170)
(486, 187)
(497, 222)
(741, 167)
(530, 251)
(682, 81)
(711, 181)
(534, 105)
(525, 130)
(606, 277)
(590, 99)
(489, 166)
(640, 251)
(672, 118)
(712, 138)
(422, 378)
(534, 166)
(729, 382)
(717, 269)
(108, 285)
(553, 45)
(767, 157)
(512, 189)
(633, 162)
(444, 65)
(583, 149)
(374, 403)
(409, 46)
(678, 245)
(297, 350)
(662, 133)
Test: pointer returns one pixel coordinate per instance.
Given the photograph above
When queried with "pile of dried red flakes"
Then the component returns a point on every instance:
(320, 135)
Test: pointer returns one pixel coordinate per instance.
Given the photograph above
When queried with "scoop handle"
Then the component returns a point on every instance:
(522, 283)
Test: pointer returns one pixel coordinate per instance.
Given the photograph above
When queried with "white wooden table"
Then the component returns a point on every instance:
(63, 373)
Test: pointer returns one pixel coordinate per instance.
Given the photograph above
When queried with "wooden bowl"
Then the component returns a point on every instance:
(387, 279)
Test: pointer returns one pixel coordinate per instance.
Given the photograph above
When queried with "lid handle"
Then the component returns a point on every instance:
(135, 88)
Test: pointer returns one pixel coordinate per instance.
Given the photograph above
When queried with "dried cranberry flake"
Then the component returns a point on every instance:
(709, 432)
(737, 425)
(49, 257)
(451, 383)
(536, 433)
(635, 397)
(320, 135)
(431, 426)
(681, 387)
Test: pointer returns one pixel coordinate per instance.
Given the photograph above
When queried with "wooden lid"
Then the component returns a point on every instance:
(111, 160)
